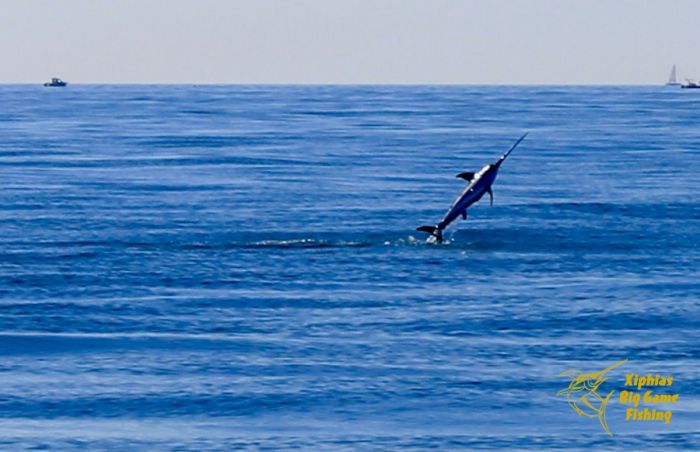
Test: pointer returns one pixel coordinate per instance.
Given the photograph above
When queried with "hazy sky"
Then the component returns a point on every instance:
(349, 41)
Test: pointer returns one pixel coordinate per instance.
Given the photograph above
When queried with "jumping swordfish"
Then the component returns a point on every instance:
(479, 184)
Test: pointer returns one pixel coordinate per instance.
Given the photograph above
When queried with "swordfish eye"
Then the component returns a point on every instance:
(592, 383)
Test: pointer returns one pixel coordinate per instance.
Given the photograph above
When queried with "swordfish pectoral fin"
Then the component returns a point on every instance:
(490, 192)
(464, 214)
(468, 176)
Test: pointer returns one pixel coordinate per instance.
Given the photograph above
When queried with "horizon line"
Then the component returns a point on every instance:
(95, 83)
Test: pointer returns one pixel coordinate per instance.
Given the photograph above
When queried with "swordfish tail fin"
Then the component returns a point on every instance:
(601, 413)
(432, 230)
(504, 156)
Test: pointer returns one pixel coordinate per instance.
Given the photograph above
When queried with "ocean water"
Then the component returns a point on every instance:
(237, 267)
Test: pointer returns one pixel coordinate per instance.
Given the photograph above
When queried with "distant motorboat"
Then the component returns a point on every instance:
(56, 82)
(672, 79)
(692, 84)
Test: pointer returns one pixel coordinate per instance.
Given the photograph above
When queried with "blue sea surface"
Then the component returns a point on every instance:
(237, 267)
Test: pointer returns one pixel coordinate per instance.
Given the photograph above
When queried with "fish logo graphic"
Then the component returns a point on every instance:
(582, 394)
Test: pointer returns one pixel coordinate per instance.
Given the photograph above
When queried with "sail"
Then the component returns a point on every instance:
(672, 80)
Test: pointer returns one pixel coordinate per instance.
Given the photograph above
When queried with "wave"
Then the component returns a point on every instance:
(546, 237)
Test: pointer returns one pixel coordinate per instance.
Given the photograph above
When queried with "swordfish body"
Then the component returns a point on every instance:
(479, 184)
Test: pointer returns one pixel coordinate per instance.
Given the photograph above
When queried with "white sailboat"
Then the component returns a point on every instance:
(672, 79)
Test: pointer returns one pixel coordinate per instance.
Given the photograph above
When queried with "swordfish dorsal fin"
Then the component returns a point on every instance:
(467, 175)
